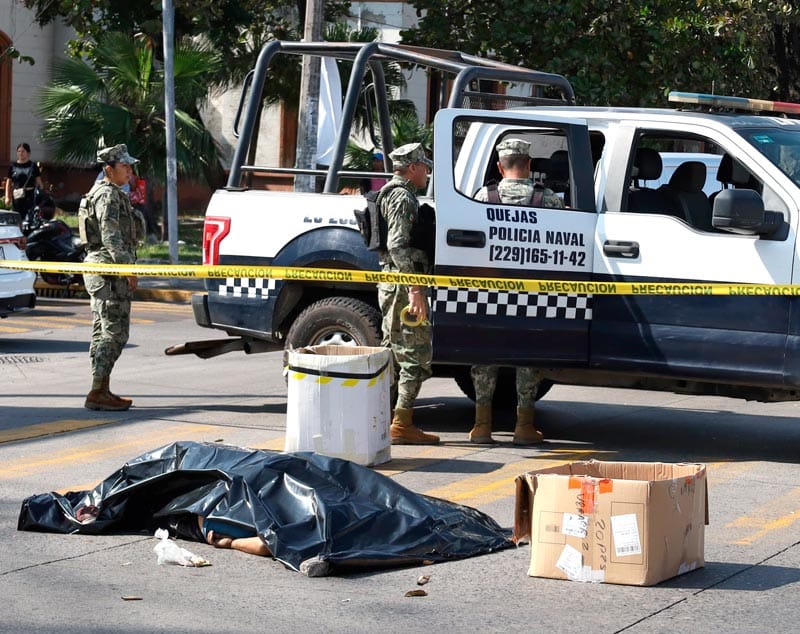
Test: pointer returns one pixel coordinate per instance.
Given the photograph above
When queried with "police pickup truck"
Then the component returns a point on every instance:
(620, 224)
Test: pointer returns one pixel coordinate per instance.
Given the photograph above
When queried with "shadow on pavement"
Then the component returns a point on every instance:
(728, 576)
(636, 431)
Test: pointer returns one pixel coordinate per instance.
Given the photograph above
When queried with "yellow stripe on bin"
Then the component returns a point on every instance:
(689, 287)
(341, 381)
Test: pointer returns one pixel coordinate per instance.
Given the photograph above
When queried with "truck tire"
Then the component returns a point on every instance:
(338, 321)
(505, 394)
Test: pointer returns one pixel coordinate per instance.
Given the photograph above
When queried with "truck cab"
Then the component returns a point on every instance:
(725, 210)
(671, 240)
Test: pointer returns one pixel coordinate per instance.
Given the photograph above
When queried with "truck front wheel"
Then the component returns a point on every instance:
(336, 321)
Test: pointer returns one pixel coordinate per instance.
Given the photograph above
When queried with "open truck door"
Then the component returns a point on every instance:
(499, 323)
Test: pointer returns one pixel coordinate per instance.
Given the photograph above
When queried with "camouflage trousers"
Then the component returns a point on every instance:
(111, 318)
(484, 378)
(411, 347)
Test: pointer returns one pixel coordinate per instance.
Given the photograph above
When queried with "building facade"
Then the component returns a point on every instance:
(20, 81)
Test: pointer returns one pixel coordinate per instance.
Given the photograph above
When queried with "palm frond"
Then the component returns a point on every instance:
(119, 98)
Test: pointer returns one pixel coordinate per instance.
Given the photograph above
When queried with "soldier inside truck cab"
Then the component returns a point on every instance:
(516, 188)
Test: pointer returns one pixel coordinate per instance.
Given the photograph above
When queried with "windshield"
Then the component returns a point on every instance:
(780, 145)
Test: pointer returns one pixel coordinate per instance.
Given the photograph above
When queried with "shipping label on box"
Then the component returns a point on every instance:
(614, 522)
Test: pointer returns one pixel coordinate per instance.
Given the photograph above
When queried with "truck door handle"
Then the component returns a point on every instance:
(621, 249)
(466, 238)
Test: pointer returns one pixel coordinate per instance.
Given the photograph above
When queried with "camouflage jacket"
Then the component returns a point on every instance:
(400, 208)
(110, 227)
(519, 191)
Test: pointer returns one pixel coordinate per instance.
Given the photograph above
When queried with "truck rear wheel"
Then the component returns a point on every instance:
(336, 321)
(505, 394)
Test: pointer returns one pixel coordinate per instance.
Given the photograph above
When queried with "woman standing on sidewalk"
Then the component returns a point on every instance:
(23, 177)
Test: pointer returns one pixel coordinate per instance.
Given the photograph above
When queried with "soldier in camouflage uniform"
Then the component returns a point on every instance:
(111, 230)
(411, 346)
(516, 188)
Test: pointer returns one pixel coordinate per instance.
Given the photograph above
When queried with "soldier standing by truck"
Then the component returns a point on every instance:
(111, 230)
(516, 188)
(411, 345)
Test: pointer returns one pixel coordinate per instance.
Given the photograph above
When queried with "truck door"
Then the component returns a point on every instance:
(713, 338)
(497, 322)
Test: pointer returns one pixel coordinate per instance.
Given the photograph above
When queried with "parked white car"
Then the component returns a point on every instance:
(671, 160)
(16, 287)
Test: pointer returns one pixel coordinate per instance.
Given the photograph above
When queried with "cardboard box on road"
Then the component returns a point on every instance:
(634, 523)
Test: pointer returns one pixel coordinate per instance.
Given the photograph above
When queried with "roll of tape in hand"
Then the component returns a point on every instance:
(410, 320)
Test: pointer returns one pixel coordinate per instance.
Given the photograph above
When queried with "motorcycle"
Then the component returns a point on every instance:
(51, 240)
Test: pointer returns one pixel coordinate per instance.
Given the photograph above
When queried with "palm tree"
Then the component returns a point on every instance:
(402, 112)
(119, 98)
(406, 128)
(393, 74)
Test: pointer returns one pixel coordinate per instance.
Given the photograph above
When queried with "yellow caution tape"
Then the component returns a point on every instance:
(373, 277)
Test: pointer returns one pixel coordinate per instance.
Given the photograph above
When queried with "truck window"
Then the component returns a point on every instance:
(781, 147)
(477, 167)
(680, 175)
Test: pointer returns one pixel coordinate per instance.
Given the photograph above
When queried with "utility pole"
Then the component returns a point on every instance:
(308, 112)
(171, 212)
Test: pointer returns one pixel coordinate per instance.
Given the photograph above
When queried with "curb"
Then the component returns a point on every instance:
(164, 295)
(42, 289)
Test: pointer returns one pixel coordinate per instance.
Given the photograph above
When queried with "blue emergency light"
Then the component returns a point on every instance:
(737, 103)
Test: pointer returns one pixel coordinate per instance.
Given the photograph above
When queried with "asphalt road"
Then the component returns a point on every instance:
(68, 583)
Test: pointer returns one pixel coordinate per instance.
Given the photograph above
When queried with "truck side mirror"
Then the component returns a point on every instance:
(742, 211)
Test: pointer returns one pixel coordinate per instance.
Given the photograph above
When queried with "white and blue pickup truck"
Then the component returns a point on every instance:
(728, 213)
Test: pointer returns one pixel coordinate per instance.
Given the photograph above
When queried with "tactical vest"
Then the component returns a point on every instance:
(89, 225)
(535, 200)
(423, 231)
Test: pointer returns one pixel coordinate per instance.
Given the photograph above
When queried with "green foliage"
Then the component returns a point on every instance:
(236, 29)
(11, 52)
(407, 129)
(118, 98)
(630, 53)
(190, 239)
(405, 125)
(393, 74)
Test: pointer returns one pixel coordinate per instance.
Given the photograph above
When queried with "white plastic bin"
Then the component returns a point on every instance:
(338, 402)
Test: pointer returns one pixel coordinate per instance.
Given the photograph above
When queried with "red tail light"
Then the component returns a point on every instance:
(215, 228)
(20, 242)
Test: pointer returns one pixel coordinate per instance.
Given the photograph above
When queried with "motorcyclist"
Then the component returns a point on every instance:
(42, 212)
(50, 239)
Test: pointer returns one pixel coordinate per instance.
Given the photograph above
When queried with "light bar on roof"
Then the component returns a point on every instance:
(739, 103)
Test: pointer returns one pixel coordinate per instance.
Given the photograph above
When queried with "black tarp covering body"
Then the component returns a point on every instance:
(302, 505)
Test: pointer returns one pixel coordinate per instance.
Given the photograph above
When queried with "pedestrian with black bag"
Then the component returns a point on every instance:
(22, 181)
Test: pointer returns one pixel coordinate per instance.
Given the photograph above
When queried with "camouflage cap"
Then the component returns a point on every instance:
(116, 154)
(409, 154)
(513, 147)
